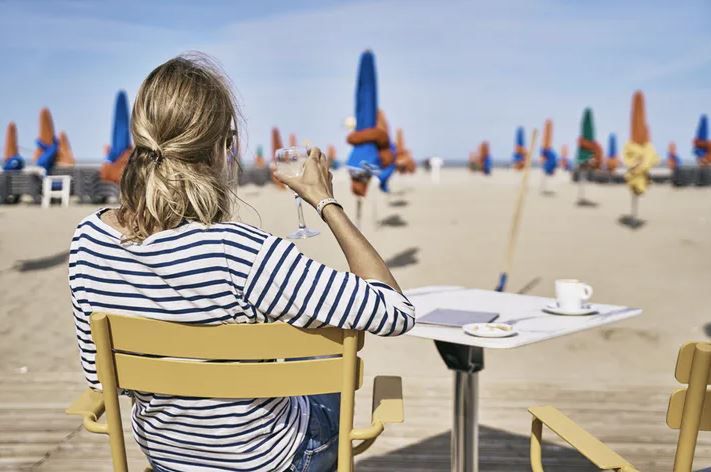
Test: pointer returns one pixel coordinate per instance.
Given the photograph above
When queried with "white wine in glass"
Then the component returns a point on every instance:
(290, 163)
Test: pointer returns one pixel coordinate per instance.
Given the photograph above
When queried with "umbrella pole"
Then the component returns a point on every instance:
(375, 212)
(633, 211)
(544, 180)
(518, 210)
(581, 187)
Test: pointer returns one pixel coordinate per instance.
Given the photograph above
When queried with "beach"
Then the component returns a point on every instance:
(451, 233)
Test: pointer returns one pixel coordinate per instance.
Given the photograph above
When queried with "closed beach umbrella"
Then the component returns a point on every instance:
(564, 159)
(673, 160)
(519, 154)
(702, 144)
(47, 143)
(639, 154)
(12, 160)
(403, 157)
(120, 149)
(65, 156)
(548, 155)
(292, 140)
(485, 158)
(276, 145)
(372, 153)
(589, 151)
(120, 133)
(612, 159)
(332, 157)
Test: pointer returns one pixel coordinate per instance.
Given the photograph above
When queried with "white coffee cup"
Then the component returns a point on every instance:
(570, 294)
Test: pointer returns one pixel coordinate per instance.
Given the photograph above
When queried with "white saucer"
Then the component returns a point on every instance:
(490, 330)
(553, 309)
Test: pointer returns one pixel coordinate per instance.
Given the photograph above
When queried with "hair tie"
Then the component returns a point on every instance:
(153, 154)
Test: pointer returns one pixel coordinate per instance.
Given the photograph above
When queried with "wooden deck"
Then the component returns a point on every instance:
(35, 434)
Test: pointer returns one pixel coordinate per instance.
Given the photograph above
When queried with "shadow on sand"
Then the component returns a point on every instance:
(631, 222)
(394, 221)
(42, 263)
(399, 203)
(498, 451)
(405, 258)
(584, 202)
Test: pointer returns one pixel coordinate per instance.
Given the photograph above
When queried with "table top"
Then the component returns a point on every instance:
(524, 312)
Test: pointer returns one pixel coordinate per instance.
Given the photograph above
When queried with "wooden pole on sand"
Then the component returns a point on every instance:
(518, 210)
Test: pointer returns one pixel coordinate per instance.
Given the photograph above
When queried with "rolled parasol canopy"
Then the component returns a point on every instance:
(403, 157)
(639, 154)
(47, 143)
(702, 144)
(120, 133)
(372, 152)
(548, 156)
(519, 149)
(259, 161)
(612, 160)
(65, 155)
(276, 145)
(673, 160)
(120, 149)
(332, 157)
(564, 159)
(12, 160)
(589, 151)
(484, 158)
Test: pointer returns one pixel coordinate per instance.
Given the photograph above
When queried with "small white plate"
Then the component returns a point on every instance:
(490, 330)
(553, 309)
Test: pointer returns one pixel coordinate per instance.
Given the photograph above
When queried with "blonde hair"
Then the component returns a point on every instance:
(183, 124)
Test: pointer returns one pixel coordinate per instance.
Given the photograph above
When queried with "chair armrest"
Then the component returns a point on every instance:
(90, 406)
(585, 443)
(387, 408)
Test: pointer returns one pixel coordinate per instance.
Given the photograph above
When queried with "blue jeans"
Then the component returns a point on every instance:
(319, 450)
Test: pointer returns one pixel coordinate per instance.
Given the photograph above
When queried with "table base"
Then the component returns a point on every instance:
(466, 362)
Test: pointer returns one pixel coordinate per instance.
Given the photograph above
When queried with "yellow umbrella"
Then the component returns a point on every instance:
(639, 154)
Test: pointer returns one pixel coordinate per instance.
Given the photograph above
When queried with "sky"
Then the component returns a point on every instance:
(450, 74)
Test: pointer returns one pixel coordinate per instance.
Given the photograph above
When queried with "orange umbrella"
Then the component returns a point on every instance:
(276, 144)
(331, 156)
(46, 131)
(639, 154)
(564, 159)
(403, 157)
(673, 160)
(65, 156)
(11, 148)
(484, 158)
(12, 159)
(292, 140)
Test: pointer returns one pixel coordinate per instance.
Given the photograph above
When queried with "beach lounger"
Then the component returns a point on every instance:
(684, 176)
(27, 181)
(157, 356)
(689, 411)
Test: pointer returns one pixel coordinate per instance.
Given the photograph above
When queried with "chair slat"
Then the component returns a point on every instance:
(682, 372)
(231, 379)
(676, 408)
(228, 342)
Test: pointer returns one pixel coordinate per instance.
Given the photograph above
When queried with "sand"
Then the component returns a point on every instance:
(453, 233)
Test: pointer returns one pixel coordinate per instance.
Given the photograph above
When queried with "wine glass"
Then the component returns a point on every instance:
(290, 163)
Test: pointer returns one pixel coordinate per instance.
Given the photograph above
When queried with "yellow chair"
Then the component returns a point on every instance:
(123, 345)
(689, 411)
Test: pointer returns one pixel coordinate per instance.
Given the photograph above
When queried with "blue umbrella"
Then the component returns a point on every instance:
(520, 148)
(364, 160)
(486, 165)
(702, 134)
(612, 146)
(550, 162)
(121, 135)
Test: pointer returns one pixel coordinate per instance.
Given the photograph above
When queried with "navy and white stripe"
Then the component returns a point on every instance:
(225, 273)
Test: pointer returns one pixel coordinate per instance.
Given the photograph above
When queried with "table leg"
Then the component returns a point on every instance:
(466, 362)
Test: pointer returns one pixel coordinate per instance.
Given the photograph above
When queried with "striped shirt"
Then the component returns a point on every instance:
(224, 273)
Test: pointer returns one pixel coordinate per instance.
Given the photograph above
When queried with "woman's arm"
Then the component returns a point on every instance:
(314, 185)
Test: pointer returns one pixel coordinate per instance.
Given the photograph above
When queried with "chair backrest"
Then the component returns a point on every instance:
(153, 356)
(690, 407)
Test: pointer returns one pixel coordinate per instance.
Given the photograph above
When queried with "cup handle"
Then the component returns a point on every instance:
(587, 291)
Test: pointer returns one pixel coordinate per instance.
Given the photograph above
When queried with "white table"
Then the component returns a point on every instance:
(464, 354)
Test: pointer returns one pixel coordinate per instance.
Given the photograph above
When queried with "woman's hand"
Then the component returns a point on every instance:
(316, 181)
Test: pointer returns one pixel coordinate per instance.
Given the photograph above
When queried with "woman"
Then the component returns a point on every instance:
(170, 252)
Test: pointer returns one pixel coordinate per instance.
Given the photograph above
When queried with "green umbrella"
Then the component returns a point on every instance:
(587, 133)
